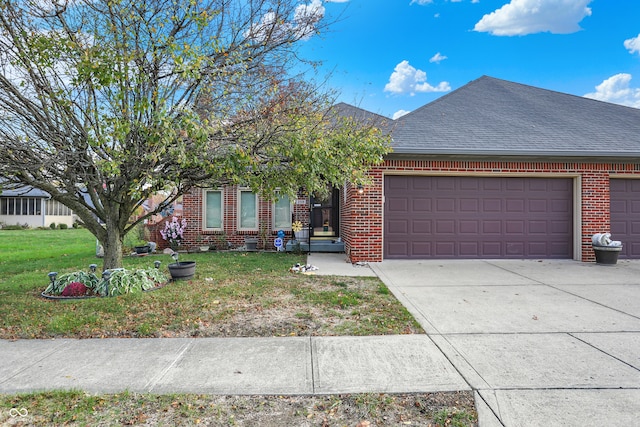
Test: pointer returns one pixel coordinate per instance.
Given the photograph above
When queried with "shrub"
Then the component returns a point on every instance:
(74, 289)
(90, 280)
(13, 227)
(52, 226)
(63, 226)
(121, 282)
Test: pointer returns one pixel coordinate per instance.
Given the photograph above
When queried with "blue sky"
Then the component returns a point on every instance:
(390, 56)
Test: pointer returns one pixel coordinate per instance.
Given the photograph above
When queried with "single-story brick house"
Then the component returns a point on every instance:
(494, 169)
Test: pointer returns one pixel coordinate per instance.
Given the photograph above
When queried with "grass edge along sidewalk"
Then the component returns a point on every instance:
(230, 289)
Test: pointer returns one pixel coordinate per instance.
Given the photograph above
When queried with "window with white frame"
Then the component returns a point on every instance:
(213, 208)
(247, 210)
(282, 213)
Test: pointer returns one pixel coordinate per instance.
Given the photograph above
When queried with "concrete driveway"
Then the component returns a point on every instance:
(542, 343)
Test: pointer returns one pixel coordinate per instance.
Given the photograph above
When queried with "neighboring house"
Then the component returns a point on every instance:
(32, 207)
(493, 170)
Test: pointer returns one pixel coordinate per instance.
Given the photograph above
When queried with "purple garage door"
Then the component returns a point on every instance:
(625, 215)
(477, 217)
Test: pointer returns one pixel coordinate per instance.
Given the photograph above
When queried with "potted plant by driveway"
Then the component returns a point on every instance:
(181, 269)
(300, 231)
(173, 233)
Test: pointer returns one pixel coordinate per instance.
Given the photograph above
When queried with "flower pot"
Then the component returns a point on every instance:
(204, 248)
(607, 254)
(182, 270)
(251, 243)
(302, 235)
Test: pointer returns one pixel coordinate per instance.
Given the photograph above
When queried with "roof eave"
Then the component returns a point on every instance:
(400, 152)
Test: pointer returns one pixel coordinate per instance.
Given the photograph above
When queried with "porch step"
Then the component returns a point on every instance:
(316, 246)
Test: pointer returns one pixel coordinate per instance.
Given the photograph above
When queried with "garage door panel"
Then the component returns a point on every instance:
(398, 226)
(538, 227)
(421, 249)
(398, 249)
(469, 248)
(491, 205)
(469, 227)
(538, 205)
(421, 205)
(421, 227)
(515, 249)
(625, 215)
(491, 227)
(560, 205)
(491, 249)
(482, 217)
(515, 184)
(515, 205)
(469, 205)
(444, 227)
(514, 227)
(445, 205)
(445, 249)
(397, 205)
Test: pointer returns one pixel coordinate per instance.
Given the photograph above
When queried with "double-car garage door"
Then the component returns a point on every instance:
(625, 215)
(477, 217)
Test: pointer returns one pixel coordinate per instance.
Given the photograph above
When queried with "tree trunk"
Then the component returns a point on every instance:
(112, 245)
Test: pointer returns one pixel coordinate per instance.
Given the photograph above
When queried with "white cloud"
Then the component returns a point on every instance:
(407, 79)
(437, 58)
(633, 45)
(616, 89)
(399, 114)
(303, 26)
(521, 17)
(336, 1)
(420, 2)
(307, 16)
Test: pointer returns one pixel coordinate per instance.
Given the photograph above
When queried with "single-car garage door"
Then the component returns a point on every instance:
(477, 217)
(625, 215)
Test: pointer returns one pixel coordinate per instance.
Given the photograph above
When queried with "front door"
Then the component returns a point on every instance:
(325, 215)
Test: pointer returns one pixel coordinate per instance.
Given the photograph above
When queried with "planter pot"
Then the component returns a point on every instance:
(146, 249)
(204, 248)
(607, 254)
(302, 235)
(182, 270)
(251, 243)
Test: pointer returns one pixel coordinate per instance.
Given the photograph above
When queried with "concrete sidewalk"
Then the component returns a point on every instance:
(292, 365)
(553, 343)
(542, 343)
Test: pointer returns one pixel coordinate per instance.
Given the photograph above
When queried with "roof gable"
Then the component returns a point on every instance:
(342, 109)
(490, 116)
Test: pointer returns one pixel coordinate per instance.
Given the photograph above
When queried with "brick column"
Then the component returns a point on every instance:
(596, 217)
(363, 221)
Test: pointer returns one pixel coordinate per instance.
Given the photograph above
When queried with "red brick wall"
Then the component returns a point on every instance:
(362, 214)
(193, 212)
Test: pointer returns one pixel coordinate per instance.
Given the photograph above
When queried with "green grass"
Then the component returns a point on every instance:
(229, 289)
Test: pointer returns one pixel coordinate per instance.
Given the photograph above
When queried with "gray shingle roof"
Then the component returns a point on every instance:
(490, 116)
(346, 110)
(16, 190)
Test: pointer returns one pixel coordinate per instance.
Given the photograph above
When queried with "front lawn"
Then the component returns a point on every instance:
(233, 294)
